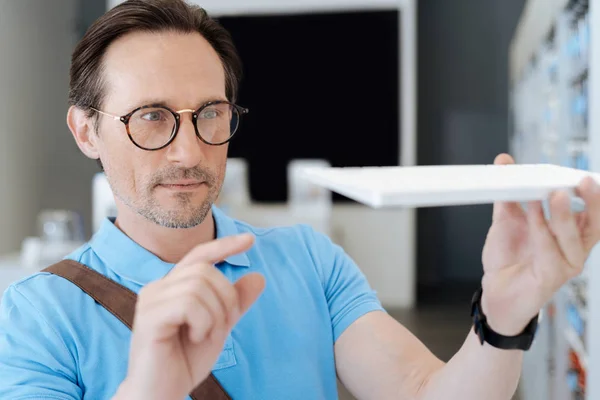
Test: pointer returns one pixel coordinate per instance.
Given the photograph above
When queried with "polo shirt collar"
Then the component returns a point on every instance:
(227, 226)
(131, 261)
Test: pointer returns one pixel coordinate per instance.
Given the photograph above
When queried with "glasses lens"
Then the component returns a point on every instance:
(217, 122)
(151, 127)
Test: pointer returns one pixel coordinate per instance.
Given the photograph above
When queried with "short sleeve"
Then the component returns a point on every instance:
(349, 295)
(34, 361)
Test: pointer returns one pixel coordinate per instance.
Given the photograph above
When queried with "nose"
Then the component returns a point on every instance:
(186, 148)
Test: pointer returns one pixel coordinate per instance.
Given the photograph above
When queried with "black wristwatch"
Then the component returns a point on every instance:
(522, 341)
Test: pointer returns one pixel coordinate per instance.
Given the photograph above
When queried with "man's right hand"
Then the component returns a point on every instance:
(182, 320)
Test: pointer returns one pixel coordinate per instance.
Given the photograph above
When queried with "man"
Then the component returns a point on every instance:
(271, 313)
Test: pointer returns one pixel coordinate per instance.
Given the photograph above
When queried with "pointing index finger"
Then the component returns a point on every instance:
(217, 250)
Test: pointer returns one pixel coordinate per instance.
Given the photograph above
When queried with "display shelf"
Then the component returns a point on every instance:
(554, 83)
(577, 346)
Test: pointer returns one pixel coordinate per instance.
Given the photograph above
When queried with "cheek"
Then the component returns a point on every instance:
(121, 162)
(219, 154)
(217, 159)
(119, 171)
(212, 158)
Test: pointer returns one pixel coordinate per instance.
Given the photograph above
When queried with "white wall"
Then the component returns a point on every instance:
(382, 245)
(35, 41)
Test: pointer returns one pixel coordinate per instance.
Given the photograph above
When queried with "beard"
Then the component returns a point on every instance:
(186, 216)
(186, 213)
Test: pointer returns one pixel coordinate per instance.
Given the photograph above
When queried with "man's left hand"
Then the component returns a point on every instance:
(527, 258)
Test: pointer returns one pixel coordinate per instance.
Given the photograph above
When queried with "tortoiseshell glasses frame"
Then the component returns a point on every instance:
(152, 134)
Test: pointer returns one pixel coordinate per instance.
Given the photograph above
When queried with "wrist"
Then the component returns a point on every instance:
(503, 333)
(501, 319)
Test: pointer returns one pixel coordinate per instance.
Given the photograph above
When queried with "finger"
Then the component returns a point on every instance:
(219, 282)
(227, 294)
(505, 209)
(217, 250)
(200, 321)
(198, 290)
(201, 312)
(564, 227)
(589, 191)
(205, 296)
(163, 320)
(540, 233)
(582, 220)
(249, 288)
(537, 220)
(503, 159)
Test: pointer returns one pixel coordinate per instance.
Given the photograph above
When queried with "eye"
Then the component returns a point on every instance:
(209, 113)
(152, 116)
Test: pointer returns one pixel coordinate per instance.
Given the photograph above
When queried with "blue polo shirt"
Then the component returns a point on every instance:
(57, 343)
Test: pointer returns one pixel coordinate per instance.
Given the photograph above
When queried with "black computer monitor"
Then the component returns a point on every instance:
(320, 85)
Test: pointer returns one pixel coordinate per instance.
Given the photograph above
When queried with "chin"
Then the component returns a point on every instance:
(178, 217)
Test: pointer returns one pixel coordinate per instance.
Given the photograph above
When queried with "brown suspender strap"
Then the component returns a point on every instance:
(116, 298)
(120, 301)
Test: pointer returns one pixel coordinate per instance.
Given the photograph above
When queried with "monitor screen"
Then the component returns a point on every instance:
(318, 86)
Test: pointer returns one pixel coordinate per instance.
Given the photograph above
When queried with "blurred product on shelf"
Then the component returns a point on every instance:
(576, 376)
(59, 233)
(579, 109)
(235, 191)
(103, 201)
(551, 95)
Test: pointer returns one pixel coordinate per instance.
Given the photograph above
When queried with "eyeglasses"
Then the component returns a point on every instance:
(153, 127)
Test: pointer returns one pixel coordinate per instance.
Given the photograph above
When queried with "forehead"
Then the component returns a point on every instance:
(180, 69)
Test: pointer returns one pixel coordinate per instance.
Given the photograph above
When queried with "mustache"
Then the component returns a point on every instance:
(172, 174)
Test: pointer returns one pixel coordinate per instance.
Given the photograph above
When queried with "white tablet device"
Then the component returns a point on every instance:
(426, 186)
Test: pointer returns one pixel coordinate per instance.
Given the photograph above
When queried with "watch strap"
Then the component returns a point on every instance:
(485, 333)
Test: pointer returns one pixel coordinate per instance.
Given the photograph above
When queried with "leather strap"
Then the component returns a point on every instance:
(120, 301)
(522, 341)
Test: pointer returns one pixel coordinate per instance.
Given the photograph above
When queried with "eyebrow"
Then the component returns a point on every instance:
(155, 102)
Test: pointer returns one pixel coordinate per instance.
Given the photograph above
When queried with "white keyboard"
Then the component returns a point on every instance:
(424, 186)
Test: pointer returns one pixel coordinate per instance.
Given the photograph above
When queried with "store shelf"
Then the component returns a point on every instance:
(578, 8)
(579, 71)
(555, 81)
(577, 345)
(578, 300)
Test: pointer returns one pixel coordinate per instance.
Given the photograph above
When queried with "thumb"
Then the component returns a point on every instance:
(505, 209)
(249, 288)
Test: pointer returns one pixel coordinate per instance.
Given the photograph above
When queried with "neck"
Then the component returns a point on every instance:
(168, 244)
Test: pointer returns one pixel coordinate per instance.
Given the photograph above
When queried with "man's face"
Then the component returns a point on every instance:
(175, 186)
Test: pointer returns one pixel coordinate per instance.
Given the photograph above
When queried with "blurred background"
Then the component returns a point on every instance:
(404, 82)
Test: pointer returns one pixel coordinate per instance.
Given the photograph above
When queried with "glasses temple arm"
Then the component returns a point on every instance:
(116, 118)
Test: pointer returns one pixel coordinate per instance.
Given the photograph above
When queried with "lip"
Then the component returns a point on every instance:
(182, 182)
(182, 185)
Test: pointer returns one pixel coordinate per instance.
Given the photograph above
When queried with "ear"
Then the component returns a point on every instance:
(82, 128)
